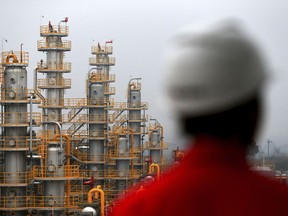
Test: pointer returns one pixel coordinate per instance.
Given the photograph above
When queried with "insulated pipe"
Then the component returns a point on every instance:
(30, 124)
(21, 48)
(157, 167)
(162, 135)
(60, 131)
(131, 134)
(35, 78)
(102, 199)
(129, 84)
(107, 122)
(11, 55)
(142, 137)
(131, 148)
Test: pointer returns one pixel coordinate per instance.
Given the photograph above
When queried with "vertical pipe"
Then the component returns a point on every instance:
(68, 164)
(60, 132)
(35, 79)
(30, 130)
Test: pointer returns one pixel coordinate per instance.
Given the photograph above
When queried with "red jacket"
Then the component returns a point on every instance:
(214, 179)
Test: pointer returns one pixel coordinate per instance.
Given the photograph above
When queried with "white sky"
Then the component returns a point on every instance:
(140, 30)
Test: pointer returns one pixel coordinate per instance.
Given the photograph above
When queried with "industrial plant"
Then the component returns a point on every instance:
(61, 155)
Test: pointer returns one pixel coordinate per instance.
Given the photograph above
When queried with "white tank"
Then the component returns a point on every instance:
(123, 146)
(155, 139)
(90, 209)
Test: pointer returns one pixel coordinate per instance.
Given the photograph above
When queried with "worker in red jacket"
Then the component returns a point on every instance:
(214, 87)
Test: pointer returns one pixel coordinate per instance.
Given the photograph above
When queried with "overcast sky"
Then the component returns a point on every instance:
(140, 30)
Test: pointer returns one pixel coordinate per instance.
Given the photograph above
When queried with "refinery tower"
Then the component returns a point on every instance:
(75, 152)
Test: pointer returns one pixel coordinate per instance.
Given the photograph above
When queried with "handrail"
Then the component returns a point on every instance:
(74, 102)
(38, 202)
(56, 30)
(15, 57)
(10, 118)
(13, 177)
(98, 77)
(102, 61)
(69, 171)
(102, 49)
(43, 44)
(148, 145)
(15, 142)
(54, 83)
(63, 67)
(17, 95)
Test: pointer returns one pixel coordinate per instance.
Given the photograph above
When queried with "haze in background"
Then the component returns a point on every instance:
(141, 30)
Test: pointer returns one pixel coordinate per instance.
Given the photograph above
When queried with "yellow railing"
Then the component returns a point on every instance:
(136, 150)
(42, 152)
(12, 118)
(141, 130)
(38, 202)
(13, 177)
(63, 45)
(130, 105)
(85, 157)
(74, 102)
(16, 142)
(101, 49)
(135, 173)
(91, 134)
(97, 174)
(129, 154)
(131, 117)
(20, 95)
(153, 127)
(149, 145)
(83, 118)
(71, 171)
(96, 77)
(110, 90)
(159, 160)
(44, 134)
(15, 57)
(44, 67)
(102, 61)
(135, 86)
(54, 83)
(1, 73)
(54, 29)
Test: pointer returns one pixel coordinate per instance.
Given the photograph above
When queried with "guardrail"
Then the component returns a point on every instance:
(54, 83)
(14, 118)
(62, 45)
(102, 61)
(49, 67)
(15, 57)
(54, 30)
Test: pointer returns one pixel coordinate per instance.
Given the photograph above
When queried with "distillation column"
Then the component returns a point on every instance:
(14, 122)
(156, 144)
(135, 120)
(123, 161)
(54, 85)
(54, 67)
(98, 94)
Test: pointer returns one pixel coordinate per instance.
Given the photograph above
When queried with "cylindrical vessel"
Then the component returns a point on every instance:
(155, 139)
(14, 133)
(54, 190)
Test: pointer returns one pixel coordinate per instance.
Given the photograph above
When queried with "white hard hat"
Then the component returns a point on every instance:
(212, 71)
